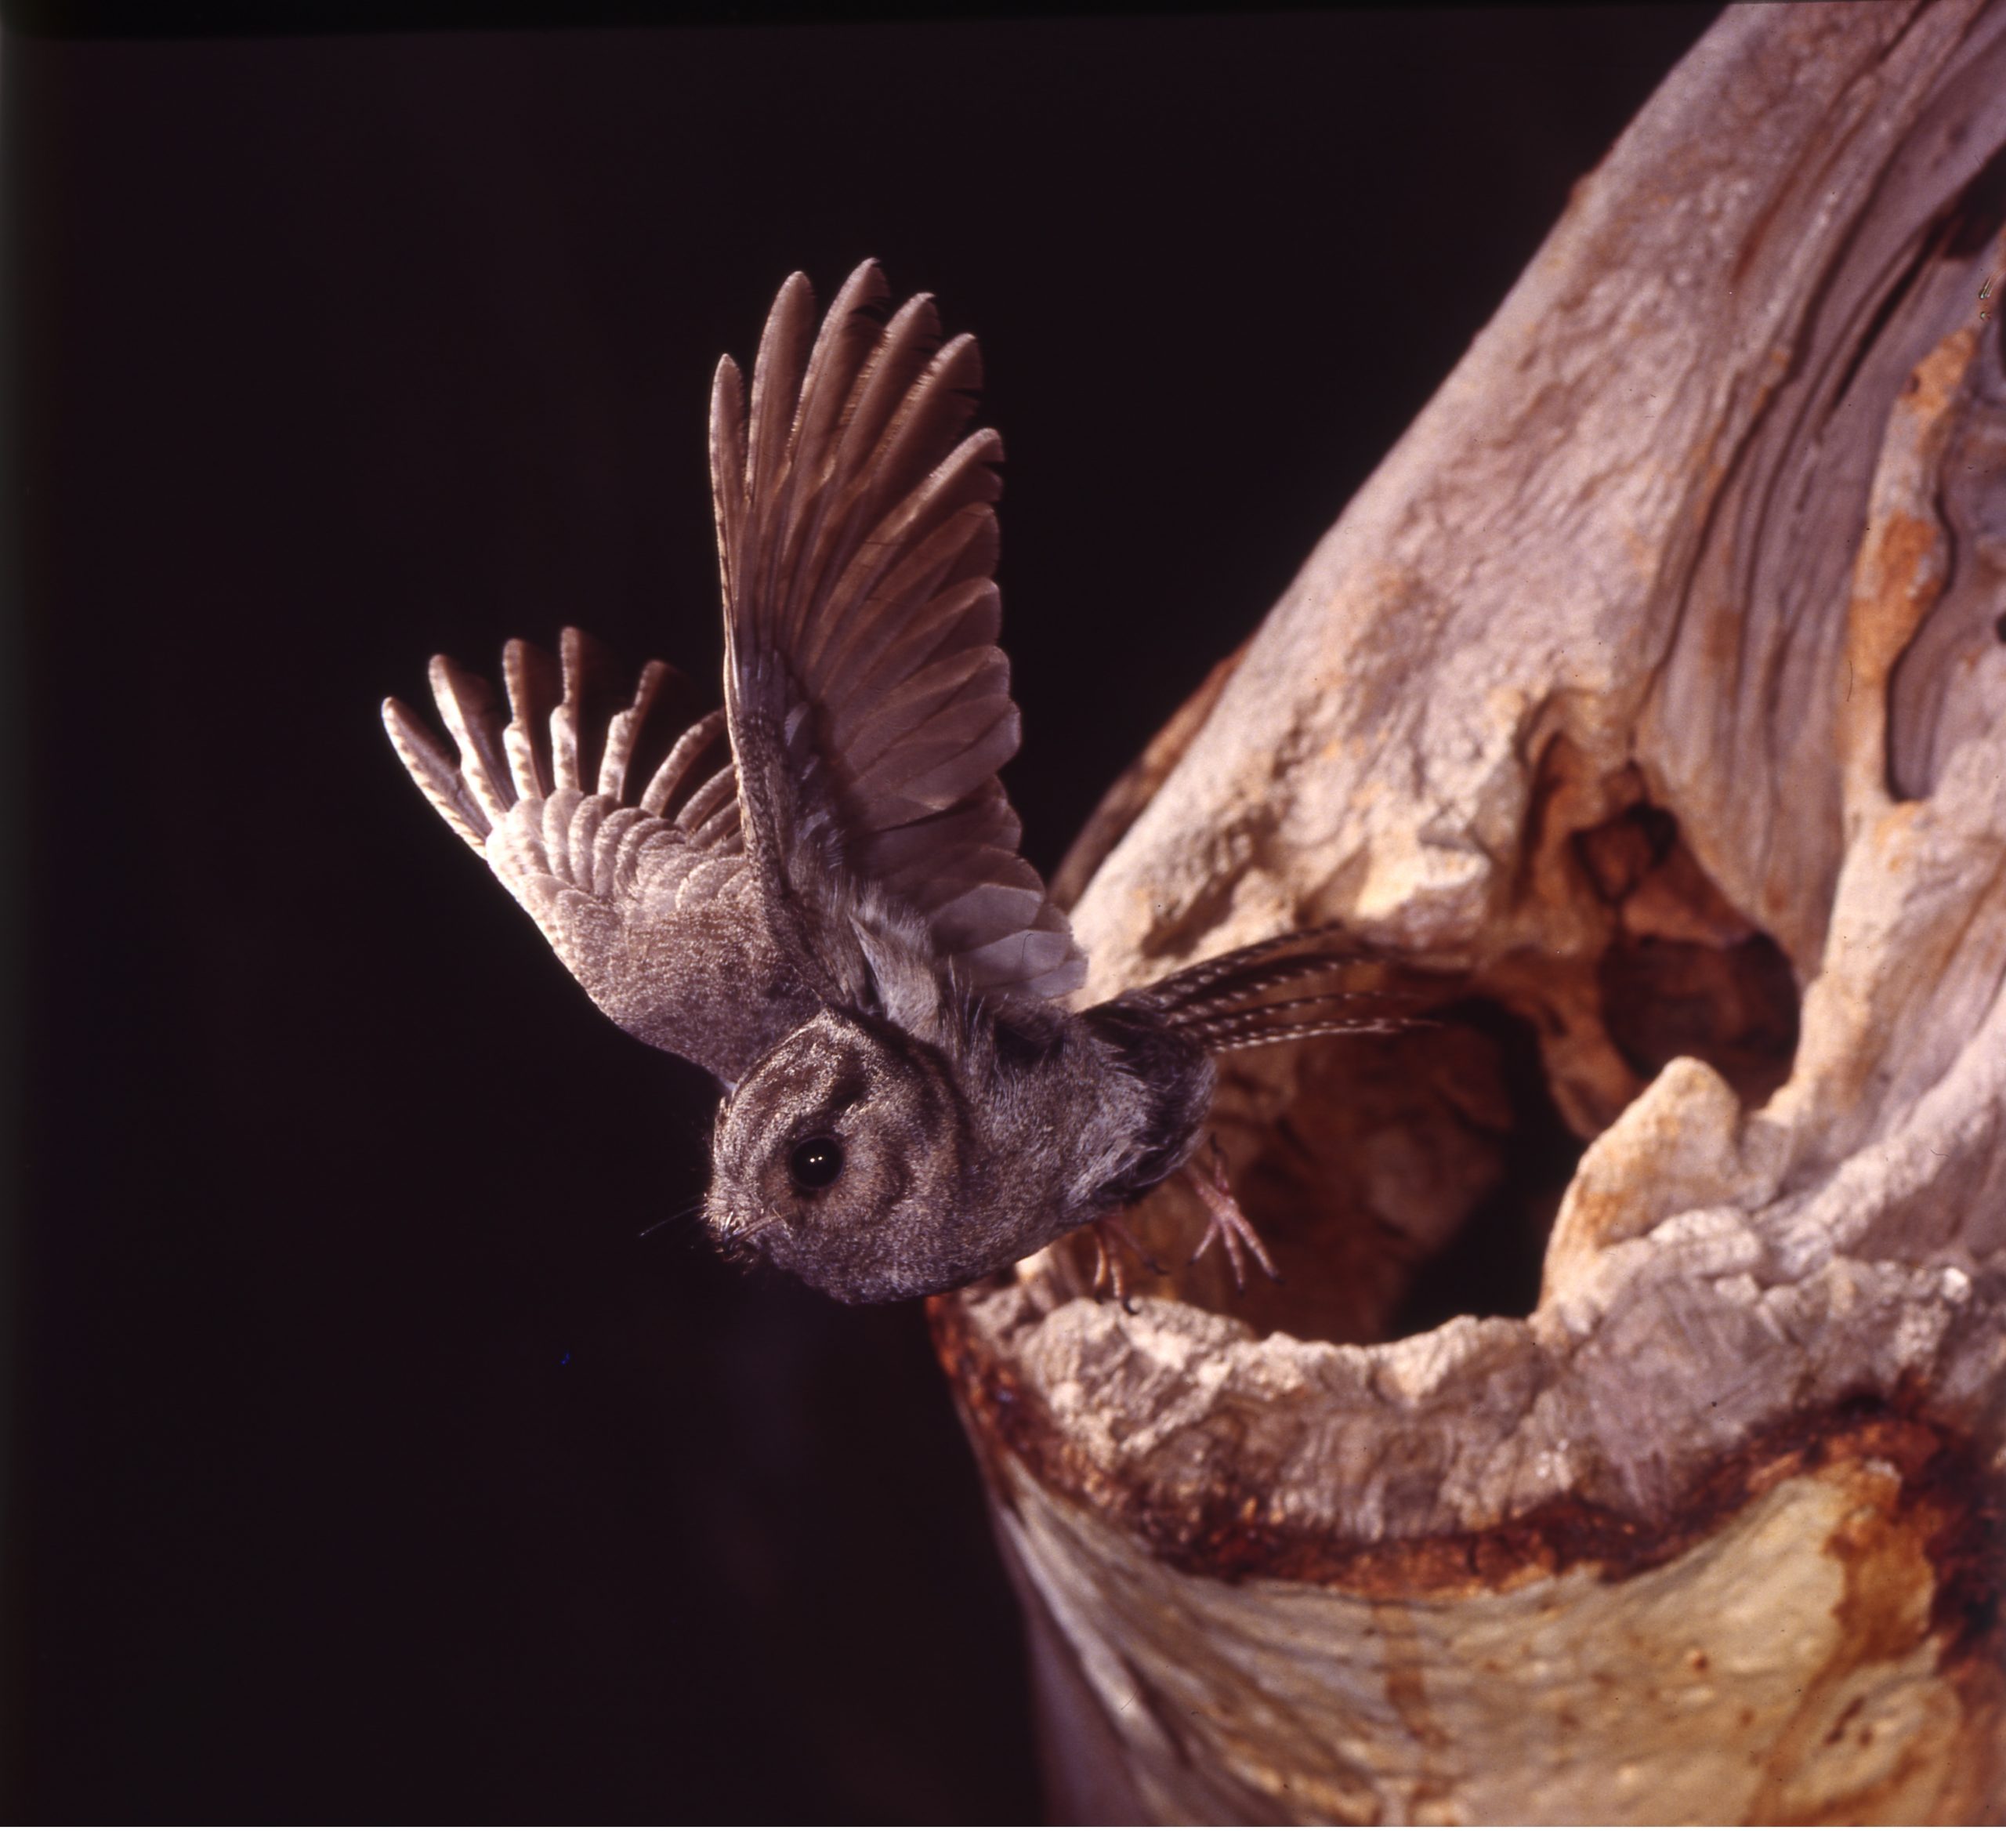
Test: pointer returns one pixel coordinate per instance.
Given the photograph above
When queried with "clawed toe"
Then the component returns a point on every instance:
(1229, 1227)
(1110, 1231)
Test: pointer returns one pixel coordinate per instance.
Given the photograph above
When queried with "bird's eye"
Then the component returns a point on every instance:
(816, 1163)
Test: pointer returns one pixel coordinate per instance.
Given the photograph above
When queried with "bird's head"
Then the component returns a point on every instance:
(843, 1156)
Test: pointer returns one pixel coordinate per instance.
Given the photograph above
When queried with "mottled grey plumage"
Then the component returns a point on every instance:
(815, 891)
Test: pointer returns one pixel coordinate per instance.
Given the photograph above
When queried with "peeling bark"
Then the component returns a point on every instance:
(1627, 1443)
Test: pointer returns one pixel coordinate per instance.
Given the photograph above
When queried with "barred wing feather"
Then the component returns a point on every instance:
(617, 828)
(869, 706)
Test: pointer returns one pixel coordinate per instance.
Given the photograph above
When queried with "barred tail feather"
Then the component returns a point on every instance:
(1348, 990)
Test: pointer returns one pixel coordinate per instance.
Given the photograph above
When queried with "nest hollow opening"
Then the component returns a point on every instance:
(1402, 1181)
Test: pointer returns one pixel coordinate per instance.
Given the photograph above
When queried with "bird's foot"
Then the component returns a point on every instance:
(1111, 1233)
(1230, 1227)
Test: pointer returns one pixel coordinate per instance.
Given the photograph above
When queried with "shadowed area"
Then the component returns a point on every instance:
(1400, 1181)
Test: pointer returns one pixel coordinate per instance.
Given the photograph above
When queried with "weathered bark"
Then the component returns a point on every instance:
(1658, 683)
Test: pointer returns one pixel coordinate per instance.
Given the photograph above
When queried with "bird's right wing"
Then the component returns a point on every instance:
(870, 706)
(617, 828)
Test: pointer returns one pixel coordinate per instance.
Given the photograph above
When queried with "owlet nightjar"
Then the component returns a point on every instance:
(814, 891)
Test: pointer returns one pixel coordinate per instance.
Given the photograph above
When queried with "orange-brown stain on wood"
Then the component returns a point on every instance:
(1882, 1616)
(1229, 1530)
(1401, 1671)
(1902, 559)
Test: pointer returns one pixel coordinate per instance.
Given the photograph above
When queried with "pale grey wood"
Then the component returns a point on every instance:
(1712, 515)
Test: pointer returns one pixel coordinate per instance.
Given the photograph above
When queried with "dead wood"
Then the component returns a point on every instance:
(1657, 682)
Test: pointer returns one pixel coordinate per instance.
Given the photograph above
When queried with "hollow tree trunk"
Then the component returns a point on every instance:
(1657, 682)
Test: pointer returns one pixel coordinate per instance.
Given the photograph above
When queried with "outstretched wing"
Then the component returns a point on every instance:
(869, 705)
(616, 827)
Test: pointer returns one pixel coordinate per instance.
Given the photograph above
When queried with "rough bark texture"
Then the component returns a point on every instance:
(1657, 682)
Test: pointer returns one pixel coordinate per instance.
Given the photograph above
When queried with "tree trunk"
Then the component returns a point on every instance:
(1626, 1444)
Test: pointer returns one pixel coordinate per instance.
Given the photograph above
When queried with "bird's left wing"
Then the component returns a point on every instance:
(869, 705)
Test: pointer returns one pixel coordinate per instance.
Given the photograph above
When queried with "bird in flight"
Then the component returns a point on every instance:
(814, 890)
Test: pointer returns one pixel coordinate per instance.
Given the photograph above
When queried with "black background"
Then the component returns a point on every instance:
(366, 1463)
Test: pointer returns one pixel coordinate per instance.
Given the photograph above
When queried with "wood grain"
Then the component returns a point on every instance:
(1655, 683)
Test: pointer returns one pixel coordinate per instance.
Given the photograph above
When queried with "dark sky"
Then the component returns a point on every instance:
(366, 1465)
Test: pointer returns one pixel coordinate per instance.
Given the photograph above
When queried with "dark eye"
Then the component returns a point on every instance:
(816, 1163)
